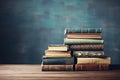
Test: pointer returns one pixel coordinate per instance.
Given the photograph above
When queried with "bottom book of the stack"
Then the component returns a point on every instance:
(57, 67)
(93, 60)
(91, 67)
(91, 64)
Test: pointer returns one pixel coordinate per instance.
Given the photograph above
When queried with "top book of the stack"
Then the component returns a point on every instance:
(90, 33)
(83, 30)
(58, 47)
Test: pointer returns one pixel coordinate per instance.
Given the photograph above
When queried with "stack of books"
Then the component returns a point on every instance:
(87, 47)
(57, 58)
(83, 50)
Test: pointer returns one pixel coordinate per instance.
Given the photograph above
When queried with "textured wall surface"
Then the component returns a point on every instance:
(27, 27)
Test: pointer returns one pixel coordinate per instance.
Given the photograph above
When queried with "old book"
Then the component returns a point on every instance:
(84, 35)
(91, 67)
(89, 54)
(87, 47)
(57, 67)
(82, 41)
(57, 61)
(58, 47)
(81, 60)
(83, 30)
(49, 53)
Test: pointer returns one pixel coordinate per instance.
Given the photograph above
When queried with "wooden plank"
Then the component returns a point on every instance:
(33, 72)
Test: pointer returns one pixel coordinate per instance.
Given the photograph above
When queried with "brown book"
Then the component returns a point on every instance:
(106, 60)
(49, 53)
(84, 35)
(91, 67)
(57, 67)
(87, 47)
(57, 47)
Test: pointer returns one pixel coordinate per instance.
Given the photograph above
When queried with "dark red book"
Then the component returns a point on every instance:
(57, 67)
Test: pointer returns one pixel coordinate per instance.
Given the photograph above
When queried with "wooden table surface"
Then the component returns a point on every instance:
(33, 72)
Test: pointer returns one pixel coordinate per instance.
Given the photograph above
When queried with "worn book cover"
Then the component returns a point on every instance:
(84, 35)
(81, 60)
(52, 53)
(86, 47)
(57, 47)
(57, 67)
(83, 30)
(91, 67)
(54, 60)
(82, 41)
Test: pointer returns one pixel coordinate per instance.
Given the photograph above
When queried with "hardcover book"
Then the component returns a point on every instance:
(57, 61)
(91, 67)
(106, 60)
(86, 47)
(49, 53)
(83, 30)
(57, 67)
(84, 35)
(88, 53)
(82, 41)
(58, 47)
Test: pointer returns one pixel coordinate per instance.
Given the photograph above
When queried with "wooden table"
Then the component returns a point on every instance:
(33, 72)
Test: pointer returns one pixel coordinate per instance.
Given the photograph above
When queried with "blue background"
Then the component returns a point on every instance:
(27, 27)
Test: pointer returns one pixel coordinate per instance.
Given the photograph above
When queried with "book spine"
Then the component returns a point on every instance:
(91, 67)
(82, 41)
(84, 36)
(88, 53)
(83, 30)
(57, 56)
(86, 47)
(49, 53)
(106, 60)
(57, 67)
(57, 61)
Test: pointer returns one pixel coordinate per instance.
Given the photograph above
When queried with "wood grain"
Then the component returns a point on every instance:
(33, 72)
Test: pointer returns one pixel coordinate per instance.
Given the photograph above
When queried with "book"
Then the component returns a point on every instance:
(86, 47)
(57, 67)
(84, 35)
(82, 30)
(56, 56)
(91, 67)
(57, 61)
(89, 54)
(82, 41)
(106, 60)
(49, 53)
(58, 47)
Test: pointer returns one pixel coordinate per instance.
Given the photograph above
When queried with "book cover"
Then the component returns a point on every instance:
(91, 67)
(82, 41)
(57, 67)
(88, 53)
(84, 35)
(53, 61)
(86, 47)
(50, 53)
(82, 30)
(58, 56)
(106, 60)
(58, 47)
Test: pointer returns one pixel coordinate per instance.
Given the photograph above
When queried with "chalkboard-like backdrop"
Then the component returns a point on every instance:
(27, 27)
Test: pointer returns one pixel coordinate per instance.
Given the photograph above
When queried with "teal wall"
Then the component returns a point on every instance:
(27, 27)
